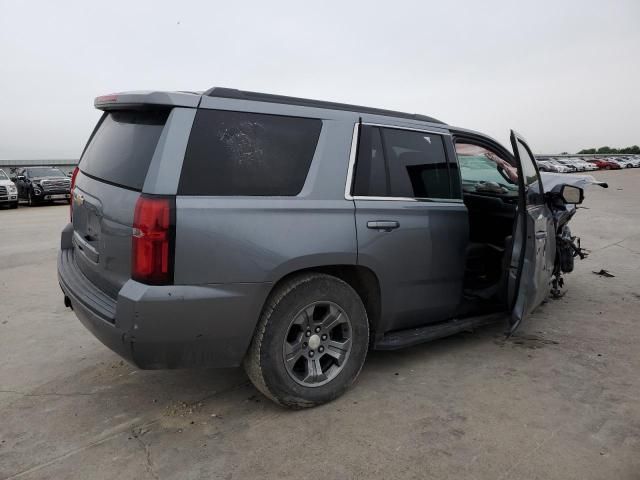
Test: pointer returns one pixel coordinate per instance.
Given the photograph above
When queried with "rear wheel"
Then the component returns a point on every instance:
(310, 343)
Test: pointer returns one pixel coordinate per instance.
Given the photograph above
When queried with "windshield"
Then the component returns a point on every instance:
(484, 171)
(40, 172)
(3, 176)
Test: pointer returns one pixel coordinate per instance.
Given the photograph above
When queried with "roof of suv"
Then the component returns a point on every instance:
(305, 102)
(192, 99)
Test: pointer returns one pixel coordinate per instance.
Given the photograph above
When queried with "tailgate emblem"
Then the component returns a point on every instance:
(79, 198)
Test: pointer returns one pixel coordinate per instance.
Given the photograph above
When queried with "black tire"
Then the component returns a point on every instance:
(30, 199)
(265, 359)
(14, 205)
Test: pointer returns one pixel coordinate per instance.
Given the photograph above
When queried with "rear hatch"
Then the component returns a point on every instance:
(112, 172)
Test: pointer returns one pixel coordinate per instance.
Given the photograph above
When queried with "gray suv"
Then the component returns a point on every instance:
(227, 227)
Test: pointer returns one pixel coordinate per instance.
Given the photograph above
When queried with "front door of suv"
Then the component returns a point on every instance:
(411, 230)
(536, 241)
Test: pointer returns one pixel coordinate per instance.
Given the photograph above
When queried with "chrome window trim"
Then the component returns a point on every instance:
(352, 161)
(411, 199)
(412, 129)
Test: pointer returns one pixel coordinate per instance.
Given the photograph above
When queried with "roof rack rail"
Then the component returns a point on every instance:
(305, 102)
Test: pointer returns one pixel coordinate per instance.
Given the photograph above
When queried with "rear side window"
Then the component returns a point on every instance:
(240, 153)
(401, 163)
(121, 149)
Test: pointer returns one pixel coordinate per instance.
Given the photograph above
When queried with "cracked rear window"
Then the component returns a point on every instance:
(248, 154)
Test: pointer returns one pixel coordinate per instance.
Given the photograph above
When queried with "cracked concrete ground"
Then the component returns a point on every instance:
(559, 401)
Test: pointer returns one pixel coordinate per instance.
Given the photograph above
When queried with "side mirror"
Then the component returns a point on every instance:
(571, 195)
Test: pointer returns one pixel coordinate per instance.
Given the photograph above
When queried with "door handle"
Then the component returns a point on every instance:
(386, 225)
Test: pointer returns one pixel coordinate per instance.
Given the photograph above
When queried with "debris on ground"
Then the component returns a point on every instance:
(604, 273)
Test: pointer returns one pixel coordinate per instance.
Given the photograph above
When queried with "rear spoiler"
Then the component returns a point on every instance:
(146, 99)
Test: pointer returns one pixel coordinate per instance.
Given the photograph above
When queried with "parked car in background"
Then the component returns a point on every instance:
(604, 164)
(576, 167)
(584, 164)
(320, 231)
(628, 162)
(559, 167)
(8, 191)
(620, 163)
(545, 166)
(43, 184)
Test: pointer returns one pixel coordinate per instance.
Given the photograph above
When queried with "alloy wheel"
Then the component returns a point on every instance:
(318, 343)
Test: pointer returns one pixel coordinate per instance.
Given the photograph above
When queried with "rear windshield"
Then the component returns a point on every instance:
(240, 153)
(121, 149)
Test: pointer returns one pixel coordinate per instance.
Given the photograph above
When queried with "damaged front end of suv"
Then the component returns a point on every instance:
(568, 247)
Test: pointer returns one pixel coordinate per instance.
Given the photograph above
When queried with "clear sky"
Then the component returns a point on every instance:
(563, 73)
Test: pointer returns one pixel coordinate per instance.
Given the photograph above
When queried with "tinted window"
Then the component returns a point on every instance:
(370, 172)
(528, 168)
(3, 176)
(239, 153)
(417, 164)
(121, 149)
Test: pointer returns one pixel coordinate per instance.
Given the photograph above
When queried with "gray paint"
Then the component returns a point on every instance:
(164, 171)
(231, 251)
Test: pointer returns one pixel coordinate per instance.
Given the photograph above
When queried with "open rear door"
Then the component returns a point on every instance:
(534, 242)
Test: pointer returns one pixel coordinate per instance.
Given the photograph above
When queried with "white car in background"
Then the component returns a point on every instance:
(8, 191)
(548, 165)
(617, 161)
(561, 167)
(569, 164)
(630, 162)
(586, 165)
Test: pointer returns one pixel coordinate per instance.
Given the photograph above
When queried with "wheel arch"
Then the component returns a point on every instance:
(362, 279)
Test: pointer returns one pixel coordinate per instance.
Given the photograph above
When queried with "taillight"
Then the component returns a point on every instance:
(153, 240)
(73, 184)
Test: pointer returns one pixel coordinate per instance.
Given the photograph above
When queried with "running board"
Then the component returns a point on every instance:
(415, 336)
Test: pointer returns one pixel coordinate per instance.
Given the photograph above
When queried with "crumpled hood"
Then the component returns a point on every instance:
(552, 180)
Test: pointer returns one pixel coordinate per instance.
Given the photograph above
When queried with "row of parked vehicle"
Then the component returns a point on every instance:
(576, 164)
(35, 185)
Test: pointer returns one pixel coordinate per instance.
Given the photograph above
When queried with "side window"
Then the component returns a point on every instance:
(240, 153)
(484, 171)
(527, 163)
(417, 164)
(371, 176)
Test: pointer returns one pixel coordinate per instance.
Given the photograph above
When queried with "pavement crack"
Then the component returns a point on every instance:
(137, 433)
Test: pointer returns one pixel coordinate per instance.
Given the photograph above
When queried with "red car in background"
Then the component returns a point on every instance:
(603, 164)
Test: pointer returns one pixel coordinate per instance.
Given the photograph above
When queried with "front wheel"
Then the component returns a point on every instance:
(310, 343)
(14, 205)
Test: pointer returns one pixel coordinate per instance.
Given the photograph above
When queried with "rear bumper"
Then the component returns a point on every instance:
(176, 326)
